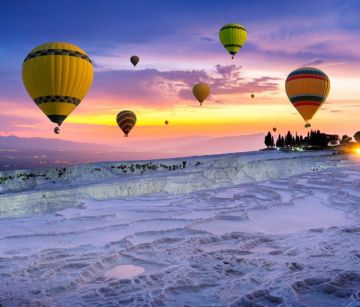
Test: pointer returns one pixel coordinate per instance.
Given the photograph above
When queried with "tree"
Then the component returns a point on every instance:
(357, 137)
(272, 141)
(297, 140)
(268, 139)
(333, 139)
(345, 139)
(278, 141)
(288, 139)
(282, 141)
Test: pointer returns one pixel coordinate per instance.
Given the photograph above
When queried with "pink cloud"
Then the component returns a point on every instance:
(160, 87)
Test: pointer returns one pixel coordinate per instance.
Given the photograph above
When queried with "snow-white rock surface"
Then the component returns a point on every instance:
(274, 232)
(26, 192)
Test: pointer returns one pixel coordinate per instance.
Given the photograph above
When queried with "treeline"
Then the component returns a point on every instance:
(313, 140)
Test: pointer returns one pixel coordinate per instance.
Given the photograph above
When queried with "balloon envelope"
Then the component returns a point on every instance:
(166, 122)
(252, 95)
(307, 89)
(274, 129)
(57, 76)
(233, 36)
(126, 120)
(134, 60)
(201, 91)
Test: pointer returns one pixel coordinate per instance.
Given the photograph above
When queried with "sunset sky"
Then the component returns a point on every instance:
(178, 45)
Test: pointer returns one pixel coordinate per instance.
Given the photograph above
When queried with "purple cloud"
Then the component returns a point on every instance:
(314, 62)
(151, 84)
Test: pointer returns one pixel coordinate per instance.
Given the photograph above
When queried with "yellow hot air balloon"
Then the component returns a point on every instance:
(126, 120)
(201, 91)
(233, 36)
(307, 89)
(57, 76)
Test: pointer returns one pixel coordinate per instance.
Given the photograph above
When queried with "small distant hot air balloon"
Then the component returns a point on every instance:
(233, 37)
(57, 130)
(126, 120)
(274, 129)
(252, 95)
(57, 76)
(134, 60)
(166, 122)
(307, 89)
(201, 91)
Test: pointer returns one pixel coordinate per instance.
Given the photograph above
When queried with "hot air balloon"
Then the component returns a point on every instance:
(307, 89)
(134, 60)
(201, 91)
(274, 129)
(126, 120)
(57, 76)
(57, 130)
(252, 95)
(233, 37)
(166, 122)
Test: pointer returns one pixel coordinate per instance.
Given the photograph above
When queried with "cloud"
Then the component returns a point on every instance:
(313, 62)
(206, 39)
(157, 87)
(10, 123)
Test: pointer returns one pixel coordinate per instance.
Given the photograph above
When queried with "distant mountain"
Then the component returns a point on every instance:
(41, 144)
(199, 145)
(194, 145)
(227, 144)
(169, 145)
(19, 153)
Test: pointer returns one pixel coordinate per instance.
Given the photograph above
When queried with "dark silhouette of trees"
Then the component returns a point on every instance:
(313, 140)
(333, 139)
(280, 142)
(268, 140)
(345, 139)
(357, 137)
(289, 139)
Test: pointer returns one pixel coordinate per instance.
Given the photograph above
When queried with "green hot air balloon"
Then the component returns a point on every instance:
(233, 36)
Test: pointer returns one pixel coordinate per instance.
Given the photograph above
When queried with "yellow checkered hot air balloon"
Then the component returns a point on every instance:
(307, 89)
(57, 76)
(233, 36)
